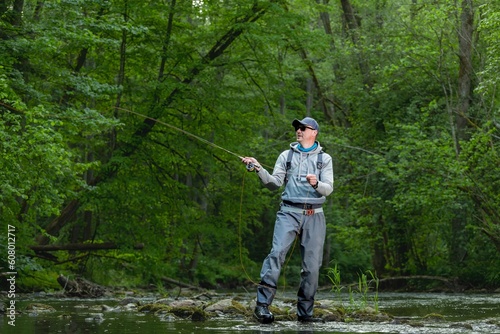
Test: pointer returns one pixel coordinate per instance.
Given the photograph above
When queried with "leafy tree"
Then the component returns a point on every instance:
(103, 104)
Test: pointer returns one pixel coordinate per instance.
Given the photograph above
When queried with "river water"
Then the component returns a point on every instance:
(459, 313)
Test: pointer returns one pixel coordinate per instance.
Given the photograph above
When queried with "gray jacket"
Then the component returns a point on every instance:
(298, 190)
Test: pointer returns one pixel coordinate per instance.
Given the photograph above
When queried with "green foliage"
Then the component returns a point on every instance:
(488, 27)
(80, 165)
(39, 280)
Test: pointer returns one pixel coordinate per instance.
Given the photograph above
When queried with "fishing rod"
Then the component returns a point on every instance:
(250, 166)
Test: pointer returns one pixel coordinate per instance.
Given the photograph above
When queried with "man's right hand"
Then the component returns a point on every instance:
(251, 161)
(247, 160)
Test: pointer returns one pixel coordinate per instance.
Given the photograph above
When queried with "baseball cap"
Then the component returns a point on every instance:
(308, 121)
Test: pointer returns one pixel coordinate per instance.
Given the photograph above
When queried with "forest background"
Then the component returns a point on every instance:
(405, 93)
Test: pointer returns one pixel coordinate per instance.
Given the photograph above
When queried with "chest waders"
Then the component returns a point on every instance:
(319, 164)
(310, 225)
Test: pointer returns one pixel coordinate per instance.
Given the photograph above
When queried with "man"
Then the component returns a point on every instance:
(307, 174)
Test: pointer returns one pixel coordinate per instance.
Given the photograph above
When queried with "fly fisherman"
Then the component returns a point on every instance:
(307, 174)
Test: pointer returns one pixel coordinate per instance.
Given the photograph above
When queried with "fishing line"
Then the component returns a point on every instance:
(187, 133)
(239, 230)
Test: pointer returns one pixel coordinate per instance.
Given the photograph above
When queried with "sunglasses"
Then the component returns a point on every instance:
(303, 128)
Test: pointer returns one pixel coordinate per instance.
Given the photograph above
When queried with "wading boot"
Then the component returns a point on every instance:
(263, 315)
(308, 319)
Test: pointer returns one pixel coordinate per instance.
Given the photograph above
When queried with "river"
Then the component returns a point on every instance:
(452, 314)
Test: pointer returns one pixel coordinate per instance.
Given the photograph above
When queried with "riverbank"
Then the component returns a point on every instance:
(184, 310)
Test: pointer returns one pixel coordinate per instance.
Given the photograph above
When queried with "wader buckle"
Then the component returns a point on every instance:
(309, 212)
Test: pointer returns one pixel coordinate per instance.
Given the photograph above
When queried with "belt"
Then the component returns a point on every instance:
(305, 212)
(302, 205)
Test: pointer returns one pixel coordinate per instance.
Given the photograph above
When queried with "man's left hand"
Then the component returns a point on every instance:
(312, 179)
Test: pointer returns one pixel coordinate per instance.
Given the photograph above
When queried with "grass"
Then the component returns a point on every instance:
(359, 294)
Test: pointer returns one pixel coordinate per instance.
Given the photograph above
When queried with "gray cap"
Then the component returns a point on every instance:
(308, 121)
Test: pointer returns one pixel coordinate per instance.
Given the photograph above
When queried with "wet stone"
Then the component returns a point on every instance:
(185, 303)
(220, 306)
(129, 300)
(39, 308)
(460, 325)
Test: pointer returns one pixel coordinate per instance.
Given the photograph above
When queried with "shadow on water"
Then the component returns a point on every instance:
(450, 314)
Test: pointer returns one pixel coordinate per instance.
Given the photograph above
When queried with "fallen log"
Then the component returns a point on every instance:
(80, 247)
(80, 287)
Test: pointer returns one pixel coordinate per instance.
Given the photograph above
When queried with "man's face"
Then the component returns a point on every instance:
(305, 134)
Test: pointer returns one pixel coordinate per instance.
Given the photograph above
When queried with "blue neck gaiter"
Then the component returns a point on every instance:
(301, 149)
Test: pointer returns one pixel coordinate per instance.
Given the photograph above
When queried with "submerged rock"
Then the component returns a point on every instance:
(462, 325)
(95, 317)
(129, 300)
(34, 308)
(434, 317)
(227, 306)
(185, 303)
(154, 308)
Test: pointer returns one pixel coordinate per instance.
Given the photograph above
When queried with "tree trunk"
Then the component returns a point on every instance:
(325, 19)
(334, 110)
(18, 7)
(166, 43)
(310, 96)
(459, 222)
(3, 7)
(465, 70)
(352, 22)
(67, 215)
(314, 78)
(353, 25)
(38, 10)
(379, 247)
(119, 82)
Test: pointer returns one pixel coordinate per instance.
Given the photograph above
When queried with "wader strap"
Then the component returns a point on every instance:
(319, 164)
(288, 165)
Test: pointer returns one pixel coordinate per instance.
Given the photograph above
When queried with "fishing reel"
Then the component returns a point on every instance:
(250, 167)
